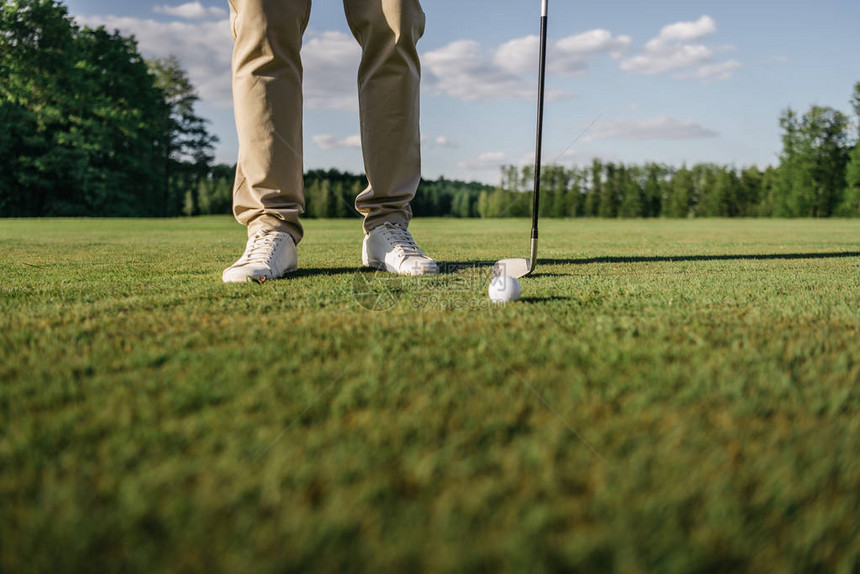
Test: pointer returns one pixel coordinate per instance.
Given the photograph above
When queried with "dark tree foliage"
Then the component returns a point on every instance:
(83, 129)
(813, 162)
(188, 154)
(332, 193)
(851, 203)
(594, 191)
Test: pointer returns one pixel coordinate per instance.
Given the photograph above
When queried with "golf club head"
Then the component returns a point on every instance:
(515, 268)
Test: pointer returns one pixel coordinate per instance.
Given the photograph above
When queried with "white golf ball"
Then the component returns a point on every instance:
(504, 289)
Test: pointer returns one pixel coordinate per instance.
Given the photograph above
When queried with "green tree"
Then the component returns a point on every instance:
(37, 55)
(632, 193)
(770, 192)
(527, 179)
(510, 178)
(556, 182)
(719, 194)
(484, 204)
(813, 162)
(575, 194)
(497, 203)
(654, 190)
(188, 208)
(681, 194)
(704, 178)
(123, 123)
(749, 191)
(222, 196)
(608, 206)
(82, 113)
(339, 200)
(205, 187)
(595, 189)
(851, 202)
(188, 154)
(461, 205)
(317, 198)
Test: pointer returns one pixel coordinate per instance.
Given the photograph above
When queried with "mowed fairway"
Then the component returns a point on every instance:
(668, 396)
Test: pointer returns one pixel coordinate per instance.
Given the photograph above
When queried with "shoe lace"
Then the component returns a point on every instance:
(261, 247)
(402, 240)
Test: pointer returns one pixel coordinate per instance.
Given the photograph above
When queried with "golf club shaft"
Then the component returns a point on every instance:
(539, 137)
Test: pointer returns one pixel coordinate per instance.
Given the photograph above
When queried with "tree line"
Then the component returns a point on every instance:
(92, 128)
(331, 194)
(818, 175)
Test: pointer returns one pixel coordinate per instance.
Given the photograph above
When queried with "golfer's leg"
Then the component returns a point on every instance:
(267, 94)
(388, 91)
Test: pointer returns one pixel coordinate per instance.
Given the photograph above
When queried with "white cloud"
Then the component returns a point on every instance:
(461, 70)
(684, 32)
(712, 72)
(663, 127)
(594, 42)
(672, 50)
(330, 61)
(518, 56)
(331, 142)
(667, 60)
(528, 158)
(486, 161)
(445, 142)
(204, 48)
(191, 11)
(568, 56)
(464, 71)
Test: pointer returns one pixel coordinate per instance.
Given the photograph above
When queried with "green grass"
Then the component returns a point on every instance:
(668, 396)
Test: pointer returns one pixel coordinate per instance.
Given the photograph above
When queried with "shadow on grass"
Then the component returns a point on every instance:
(316, 271)
(452, 267)
(682, 258)
(535, 300)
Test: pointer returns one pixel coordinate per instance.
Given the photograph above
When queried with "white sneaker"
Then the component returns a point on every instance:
(268, 255)
(390, 247)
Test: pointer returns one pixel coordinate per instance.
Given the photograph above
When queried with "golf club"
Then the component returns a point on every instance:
(521, 267)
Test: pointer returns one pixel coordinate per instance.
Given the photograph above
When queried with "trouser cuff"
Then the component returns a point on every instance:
(270, 223)
(372, 222)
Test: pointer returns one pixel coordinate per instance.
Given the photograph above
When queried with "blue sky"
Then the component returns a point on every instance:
(675, 81)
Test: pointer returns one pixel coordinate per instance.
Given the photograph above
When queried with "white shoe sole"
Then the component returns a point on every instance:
(261, 279)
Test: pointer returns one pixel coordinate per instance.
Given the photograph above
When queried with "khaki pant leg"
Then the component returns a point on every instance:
(389, 81)
(267, 93)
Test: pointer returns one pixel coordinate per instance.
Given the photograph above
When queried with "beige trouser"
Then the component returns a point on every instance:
(267, 94)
